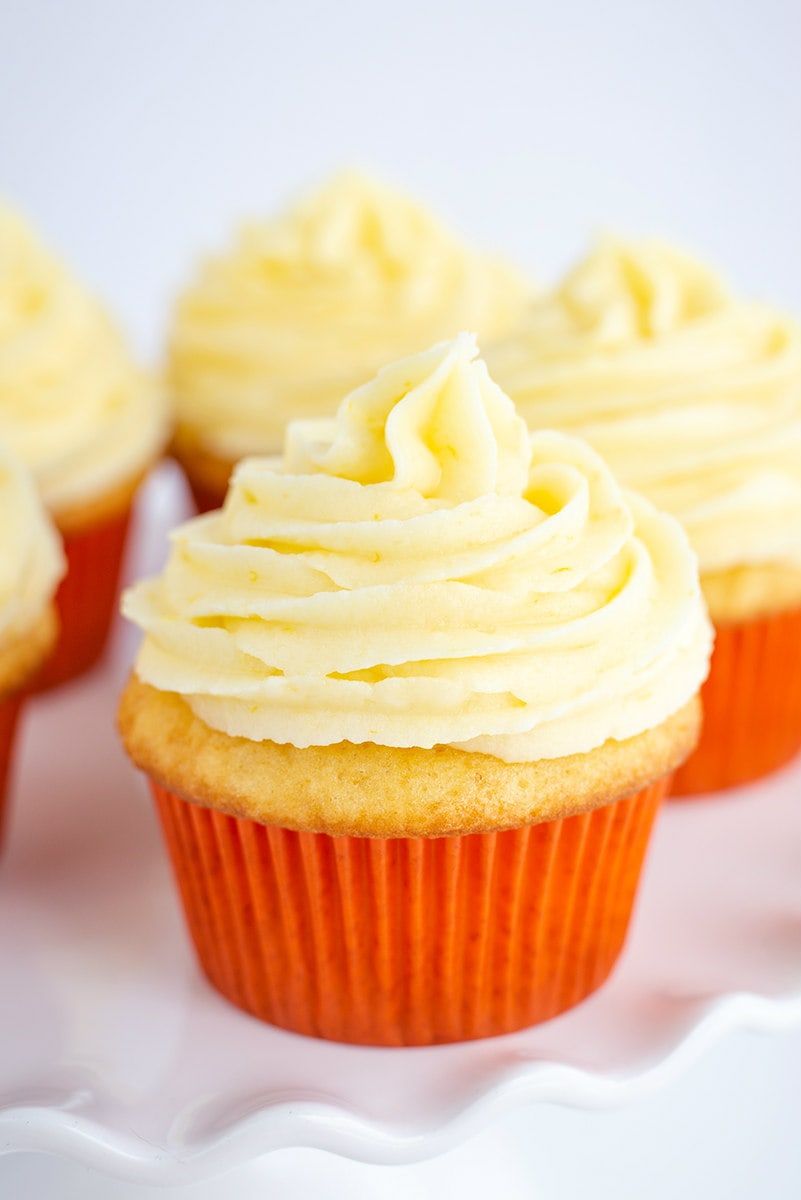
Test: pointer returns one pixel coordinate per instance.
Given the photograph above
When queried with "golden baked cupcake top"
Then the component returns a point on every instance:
(72, 405)
(31, 565)
(691, 395)
(421, 571)
(303, 308)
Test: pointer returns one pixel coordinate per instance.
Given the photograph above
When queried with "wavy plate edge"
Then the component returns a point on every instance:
(304, 1124)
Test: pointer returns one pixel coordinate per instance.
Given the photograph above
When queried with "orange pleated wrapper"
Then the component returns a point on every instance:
(9, 714)
(408, 941)
(752, 706)
(86, 600)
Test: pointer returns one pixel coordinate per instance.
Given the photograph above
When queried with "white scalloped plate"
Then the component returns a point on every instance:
(115, 1052)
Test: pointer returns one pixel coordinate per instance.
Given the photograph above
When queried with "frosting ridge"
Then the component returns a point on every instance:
(691, 395)
(422, 571)
(72, 405)
(32, 561)
(305, 307)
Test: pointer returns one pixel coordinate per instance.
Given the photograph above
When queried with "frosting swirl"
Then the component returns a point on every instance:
(32, 561)
(72, 405)
(304, 308)
(692, 396)
(423, 571)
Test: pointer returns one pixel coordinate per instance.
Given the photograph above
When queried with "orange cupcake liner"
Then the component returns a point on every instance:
(9, 714)
(86, 600)
(752, 706)
(408, 941)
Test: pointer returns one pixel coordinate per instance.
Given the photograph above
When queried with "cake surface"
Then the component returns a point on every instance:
(749, 592)
(385, 791)
(22, 655)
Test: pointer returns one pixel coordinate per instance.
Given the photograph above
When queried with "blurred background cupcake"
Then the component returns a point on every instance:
(306, 306)
(409, 703)
(31, 564)
(76, 410)
(693, 397)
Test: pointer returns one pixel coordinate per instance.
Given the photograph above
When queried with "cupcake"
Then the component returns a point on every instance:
(307, 306)
(693, 397)
(408, 704)
(86, 422)
(31, 564)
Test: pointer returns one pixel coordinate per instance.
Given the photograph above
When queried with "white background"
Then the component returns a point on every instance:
(134, 133)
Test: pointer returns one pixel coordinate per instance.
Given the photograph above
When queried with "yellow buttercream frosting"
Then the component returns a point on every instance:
(72, 404)
(31, 558)
(422, 571)
(305, 307)
(691, 395)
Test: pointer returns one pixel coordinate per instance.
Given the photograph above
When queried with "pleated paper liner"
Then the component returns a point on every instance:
(408, 941)
(86, 600)
(752, 706)
(9, 714)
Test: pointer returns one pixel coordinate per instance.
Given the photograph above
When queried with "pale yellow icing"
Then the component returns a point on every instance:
(308, 306)
(31, 558)
(422, 571)
(72, 405)
(692, 396)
